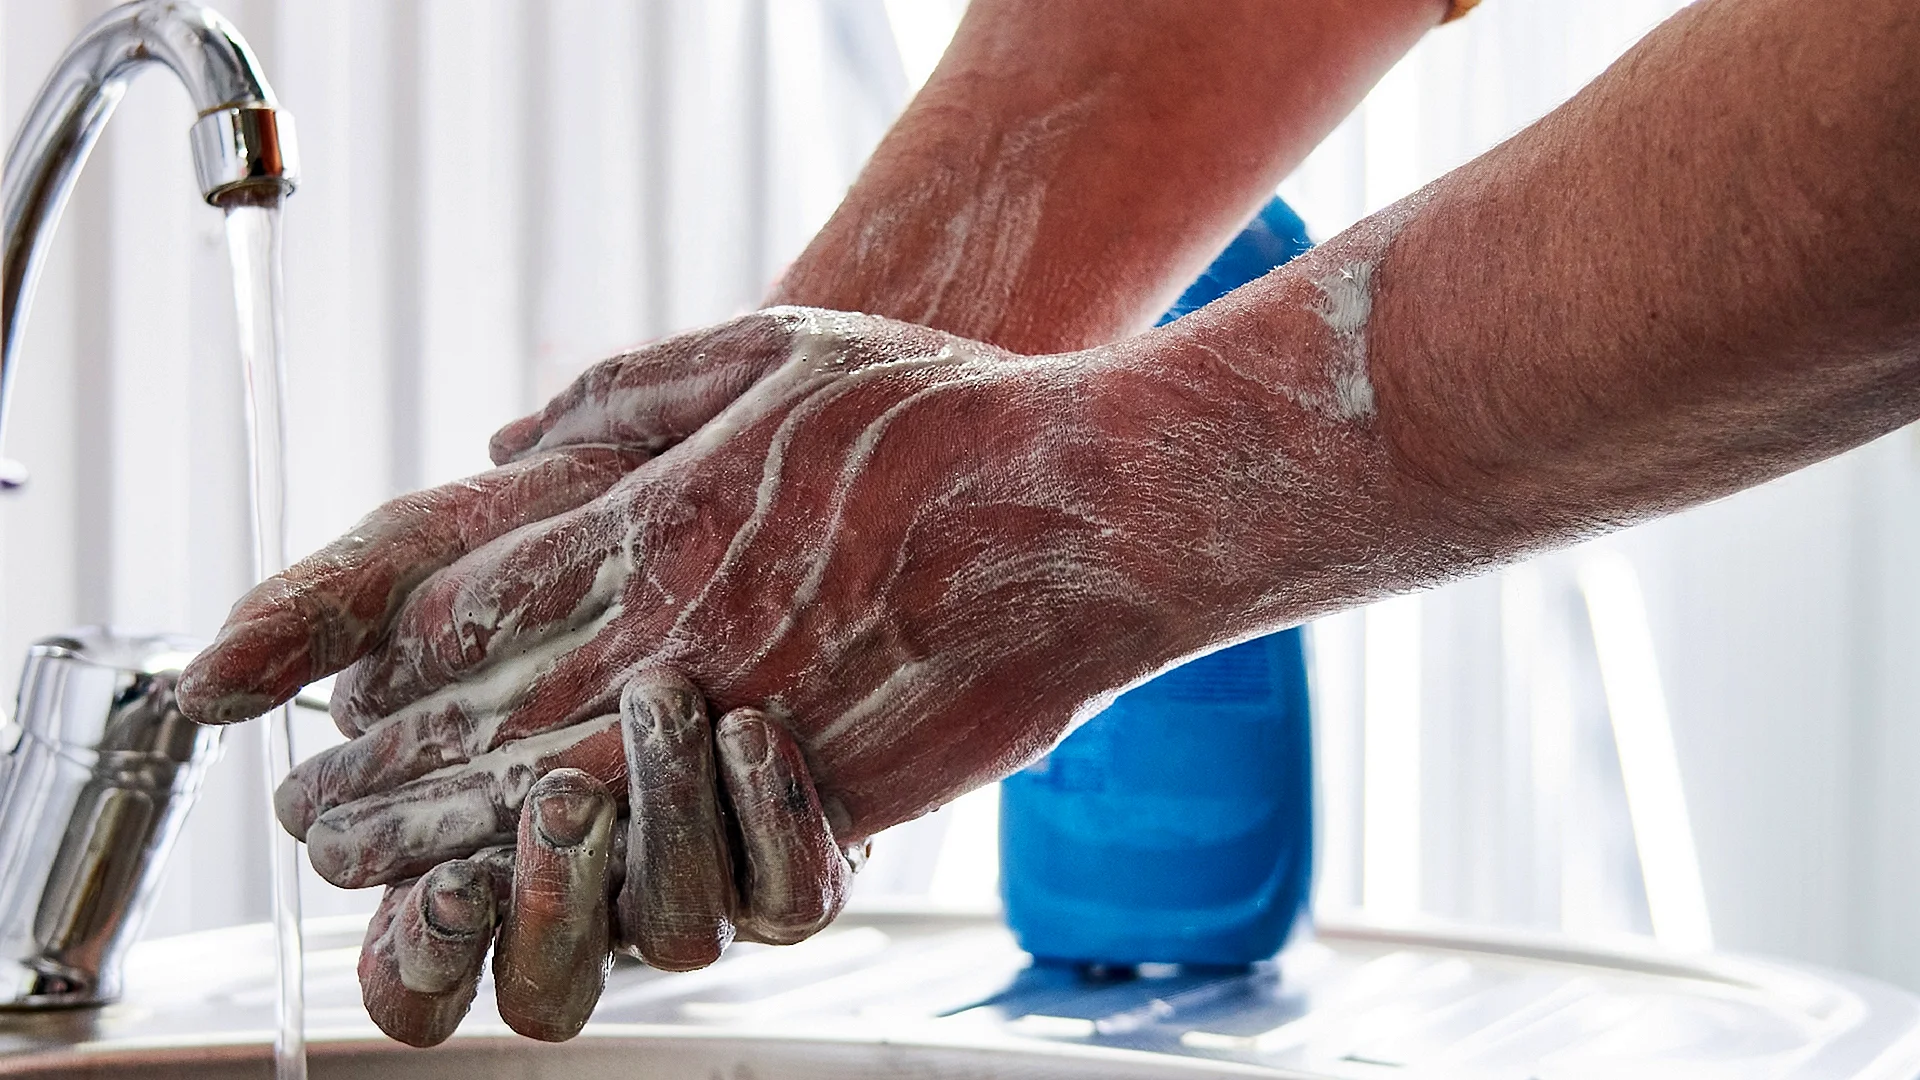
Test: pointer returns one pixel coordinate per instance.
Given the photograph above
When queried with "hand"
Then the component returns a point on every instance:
(547, 896)
(333, 606)
(421, 961)
(907, 548)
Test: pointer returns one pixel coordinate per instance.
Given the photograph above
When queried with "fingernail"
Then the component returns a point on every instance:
(458, 899)
(294, 807)
(331, 854)
(564, 816)
(749, 736)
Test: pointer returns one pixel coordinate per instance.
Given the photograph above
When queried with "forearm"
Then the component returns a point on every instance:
(1702, 272)
(1070, 166)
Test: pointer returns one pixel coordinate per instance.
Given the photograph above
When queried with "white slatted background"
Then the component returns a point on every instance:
(498, 191)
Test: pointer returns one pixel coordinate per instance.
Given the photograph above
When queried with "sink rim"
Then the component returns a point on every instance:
(334, 1043)
(1858, 1010)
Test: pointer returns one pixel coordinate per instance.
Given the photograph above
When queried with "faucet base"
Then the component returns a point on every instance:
(46, 984)
(92, 794)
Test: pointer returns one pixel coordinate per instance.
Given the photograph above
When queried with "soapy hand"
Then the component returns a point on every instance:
(893, 544)
(547, 895)
(904, 548)
(333, 606)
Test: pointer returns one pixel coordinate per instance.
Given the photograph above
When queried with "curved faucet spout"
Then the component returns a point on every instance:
(242, 144)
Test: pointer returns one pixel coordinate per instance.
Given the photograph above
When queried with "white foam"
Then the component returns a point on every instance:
(1345, 306)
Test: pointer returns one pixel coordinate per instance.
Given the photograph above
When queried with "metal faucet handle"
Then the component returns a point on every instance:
(92, 795)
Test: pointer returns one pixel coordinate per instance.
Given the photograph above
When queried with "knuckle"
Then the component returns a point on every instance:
(666, 716)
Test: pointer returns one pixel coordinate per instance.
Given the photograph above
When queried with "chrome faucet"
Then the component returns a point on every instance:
(97, 766)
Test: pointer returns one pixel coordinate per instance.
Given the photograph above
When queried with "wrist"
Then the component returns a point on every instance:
(1249, 446)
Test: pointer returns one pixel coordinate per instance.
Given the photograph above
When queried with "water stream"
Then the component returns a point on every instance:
(253, 241)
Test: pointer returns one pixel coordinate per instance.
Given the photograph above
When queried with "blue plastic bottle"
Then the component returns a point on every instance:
(1177, 825)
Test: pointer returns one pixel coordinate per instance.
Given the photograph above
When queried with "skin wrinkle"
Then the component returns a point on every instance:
(552, 960)
(646, 402)
(411, 1016)
(510, 677)
(442, 934)
(906, 675)
(812, 319)
(673, 406)
(678, 913)
(534, 585)
(784, 381)
(385, 757)
(795, 874)
(972, 587)
(815, 321)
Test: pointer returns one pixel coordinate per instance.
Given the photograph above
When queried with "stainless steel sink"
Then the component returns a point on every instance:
(935, 996)
(646, 1058)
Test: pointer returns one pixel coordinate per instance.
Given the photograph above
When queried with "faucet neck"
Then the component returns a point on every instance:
(242, 144)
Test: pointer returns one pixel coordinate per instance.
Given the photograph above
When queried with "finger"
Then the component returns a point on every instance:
(331, 607)
(795, 874)
(425, 947)
(512, 604)
(399, 832)
(675, 908)
(508, 706)
(408, 747)
(553, 961)
(656, 395)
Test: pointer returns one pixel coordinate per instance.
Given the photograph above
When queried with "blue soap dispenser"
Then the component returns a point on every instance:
(1176, 826)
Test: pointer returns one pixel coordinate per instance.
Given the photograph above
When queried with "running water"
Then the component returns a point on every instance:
(253, 240)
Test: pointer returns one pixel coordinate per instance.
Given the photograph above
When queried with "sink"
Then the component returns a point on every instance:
(947, 996)
(639, 1057)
